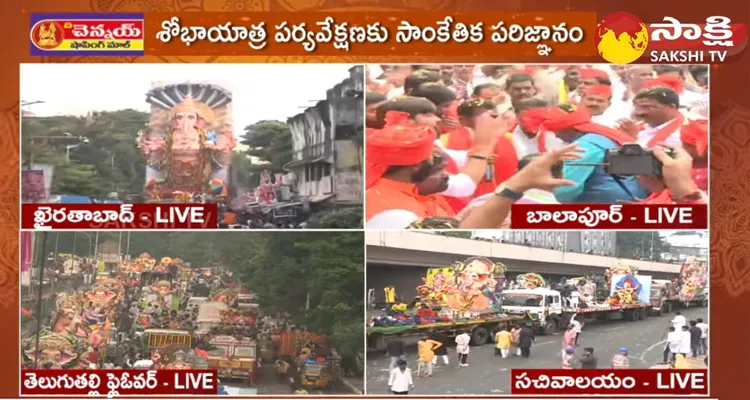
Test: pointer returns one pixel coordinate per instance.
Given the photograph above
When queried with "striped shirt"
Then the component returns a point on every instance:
(620, 361)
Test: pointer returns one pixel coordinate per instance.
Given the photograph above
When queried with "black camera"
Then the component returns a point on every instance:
(632, 159)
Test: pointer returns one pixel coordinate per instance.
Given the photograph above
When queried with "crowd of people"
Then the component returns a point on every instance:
(453, 146)
(684, 341)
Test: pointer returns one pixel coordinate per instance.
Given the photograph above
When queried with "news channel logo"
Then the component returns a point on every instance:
(86, 34)
(623, 38)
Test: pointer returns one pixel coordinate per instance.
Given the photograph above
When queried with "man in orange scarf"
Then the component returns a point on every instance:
(594, 184)
(399, 157)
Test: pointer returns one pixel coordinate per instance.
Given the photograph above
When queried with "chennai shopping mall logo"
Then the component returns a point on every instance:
(623, 38)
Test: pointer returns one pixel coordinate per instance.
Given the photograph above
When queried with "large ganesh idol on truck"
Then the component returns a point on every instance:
(188, 142)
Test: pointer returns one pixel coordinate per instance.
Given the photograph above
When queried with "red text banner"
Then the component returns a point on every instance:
(112, 383)
(609, 382)
(548, 35)
(118, 216)
(605, 216)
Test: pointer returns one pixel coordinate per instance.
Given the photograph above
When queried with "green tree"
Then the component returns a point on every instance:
(109, 161)
(346, 218)
(270, 144)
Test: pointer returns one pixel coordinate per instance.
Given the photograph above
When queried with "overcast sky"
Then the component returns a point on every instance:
(260, 91)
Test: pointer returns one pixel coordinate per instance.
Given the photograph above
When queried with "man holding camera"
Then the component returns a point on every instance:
(594, 184)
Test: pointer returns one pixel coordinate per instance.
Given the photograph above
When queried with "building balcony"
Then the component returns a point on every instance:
(311, 154)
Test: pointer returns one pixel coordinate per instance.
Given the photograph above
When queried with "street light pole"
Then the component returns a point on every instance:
(42, 261)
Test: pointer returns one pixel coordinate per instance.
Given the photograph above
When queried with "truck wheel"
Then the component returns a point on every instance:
(667, 308)
(644, 313)
(480, 336)
(550, 328)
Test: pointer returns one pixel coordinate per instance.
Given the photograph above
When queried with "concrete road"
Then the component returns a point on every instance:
(489, 375)
(268, 384)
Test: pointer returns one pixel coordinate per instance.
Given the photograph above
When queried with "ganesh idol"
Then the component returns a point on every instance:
(475, 280)
(189, 140)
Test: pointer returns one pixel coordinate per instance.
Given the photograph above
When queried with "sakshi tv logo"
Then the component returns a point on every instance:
(623, 38)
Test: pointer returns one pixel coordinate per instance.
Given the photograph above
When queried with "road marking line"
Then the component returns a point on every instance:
(649, 348)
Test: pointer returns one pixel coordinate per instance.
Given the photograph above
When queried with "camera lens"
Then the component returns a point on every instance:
(631, 149)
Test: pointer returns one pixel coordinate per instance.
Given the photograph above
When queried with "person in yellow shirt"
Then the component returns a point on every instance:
(503, 341)
(426, 348)
(390, 294)
(681, 362)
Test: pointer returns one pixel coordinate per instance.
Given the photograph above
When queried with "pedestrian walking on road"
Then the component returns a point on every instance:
(503, 342)
(400, 380)
(674, 339)
(704, 336)
(426, 348)
(588, 360)
(442, 351)
(395, 349)
(620, 360)
(678, 321)
(525, 340)
(695, 338)
(516, 332)
(569, 339)
(685, 341)
(462, 348)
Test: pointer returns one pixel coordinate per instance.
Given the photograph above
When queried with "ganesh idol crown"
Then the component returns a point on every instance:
(188, 141)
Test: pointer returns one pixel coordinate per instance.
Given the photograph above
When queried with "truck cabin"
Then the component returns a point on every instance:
(527, 299)
(284, 212)
(312, 368)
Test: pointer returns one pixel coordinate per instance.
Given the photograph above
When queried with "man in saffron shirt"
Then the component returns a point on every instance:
(394, 168)
(398, 157)
(593, 184)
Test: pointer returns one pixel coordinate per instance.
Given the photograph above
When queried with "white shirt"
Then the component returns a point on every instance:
(525, 145)
(690, 99)
(574, 298)
(673, 341)
(612, 116)
(460, 157)
(462, 343)
(704, 329)
(649, 133)
(459, 185)
(392, 219)
(678, 322)
(576, 325)
(143, 364)
(400, 381)
(685, 347)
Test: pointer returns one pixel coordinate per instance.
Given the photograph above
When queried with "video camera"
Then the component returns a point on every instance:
(632, 159)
